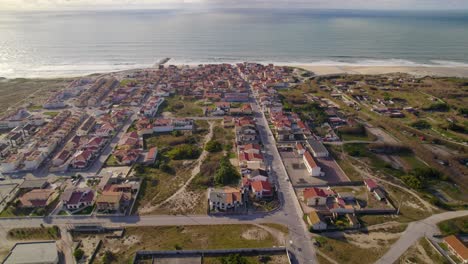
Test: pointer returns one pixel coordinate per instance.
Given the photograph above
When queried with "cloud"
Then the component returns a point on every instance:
(333, 4)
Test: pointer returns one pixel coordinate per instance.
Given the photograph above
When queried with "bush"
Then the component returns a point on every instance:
(227, 147)
(213, 146)
(184, 151)
(234, 259)
(78, 254)
(421, 124)
(352, 130)
(108, 257)
(441, 107)
(226, 173)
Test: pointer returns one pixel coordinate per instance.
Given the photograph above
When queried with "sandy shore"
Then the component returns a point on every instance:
(414, 70)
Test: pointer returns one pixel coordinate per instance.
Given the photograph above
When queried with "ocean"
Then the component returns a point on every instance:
(69, 43)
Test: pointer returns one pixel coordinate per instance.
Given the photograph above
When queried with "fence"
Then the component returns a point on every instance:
(144, 255)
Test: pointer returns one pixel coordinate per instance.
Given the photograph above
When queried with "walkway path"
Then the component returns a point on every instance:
(416, 230)
(195, 171)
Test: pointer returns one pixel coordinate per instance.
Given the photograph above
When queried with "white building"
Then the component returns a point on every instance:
(310, 164)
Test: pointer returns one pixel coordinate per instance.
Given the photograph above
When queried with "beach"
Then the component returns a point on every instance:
(418, 71)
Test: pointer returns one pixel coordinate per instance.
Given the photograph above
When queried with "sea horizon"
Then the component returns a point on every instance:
(75, 43)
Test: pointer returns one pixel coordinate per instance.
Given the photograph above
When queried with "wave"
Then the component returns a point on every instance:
(73, 70)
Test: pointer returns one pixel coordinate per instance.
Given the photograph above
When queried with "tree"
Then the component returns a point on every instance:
(226, 173)
(184, 151)
(234, 259)
(213, 146)
(421, 124)
(176, 133)
(108, 257)
(413, 182)
(78, 254)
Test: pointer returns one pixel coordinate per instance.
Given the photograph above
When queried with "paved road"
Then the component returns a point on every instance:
(150, 220)
(415, 231)
(301, 247)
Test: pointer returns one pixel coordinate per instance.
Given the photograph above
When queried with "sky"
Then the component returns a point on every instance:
(160, 4)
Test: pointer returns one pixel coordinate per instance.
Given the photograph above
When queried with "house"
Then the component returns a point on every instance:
(37, 198)
(150, 157)
(87, 126)
(371, 184)
(251, 148)
(95, 144)
(225, 198)
(162, 125)
(310, 164)
(33, 183)
(34, 160)
(110, 201)
(78, 198)
(254, 173)
(379, 194)
(300, 149)
(316, 221)
(183, 124)
(250, 160)
(130, 140)
(317, 196)
(61, 158)
(457, 247)
(81, 159)
(261, 189)
(127, 157)
(11, 163)
(318, 149)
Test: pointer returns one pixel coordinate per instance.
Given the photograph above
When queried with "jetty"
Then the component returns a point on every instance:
(161, 62)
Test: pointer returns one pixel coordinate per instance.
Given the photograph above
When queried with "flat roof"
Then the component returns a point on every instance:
(35, 252)
(33, 183)
(317, 146)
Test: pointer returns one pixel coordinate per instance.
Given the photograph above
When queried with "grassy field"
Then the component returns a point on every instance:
(343, 251)
(180, 107)
(14, 91)
(187, 237)
(209, 166)
(422, 252)
(39, 233)
(454, 226)
(158, 185)
(344, 163)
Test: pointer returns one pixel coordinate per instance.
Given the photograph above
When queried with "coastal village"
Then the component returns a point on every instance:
(236, 141)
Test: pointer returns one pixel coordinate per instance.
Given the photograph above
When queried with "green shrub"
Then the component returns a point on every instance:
(184, 151)
(78, 254)
(421, 124)
(213, 146)
(226, 173)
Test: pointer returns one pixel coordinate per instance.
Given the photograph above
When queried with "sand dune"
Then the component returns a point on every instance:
(414, 70)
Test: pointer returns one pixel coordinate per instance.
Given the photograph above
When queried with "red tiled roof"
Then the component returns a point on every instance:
(263, 186)
(371, 183)
(310, 160)
(314, 192)
(456, 244)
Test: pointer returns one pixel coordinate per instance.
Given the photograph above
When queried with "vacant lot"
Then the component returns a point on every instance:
(356, 248)
(422, 252)
(158, 185)
(21, 90)
(178, 106)
(186, 237)
(454, 226)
